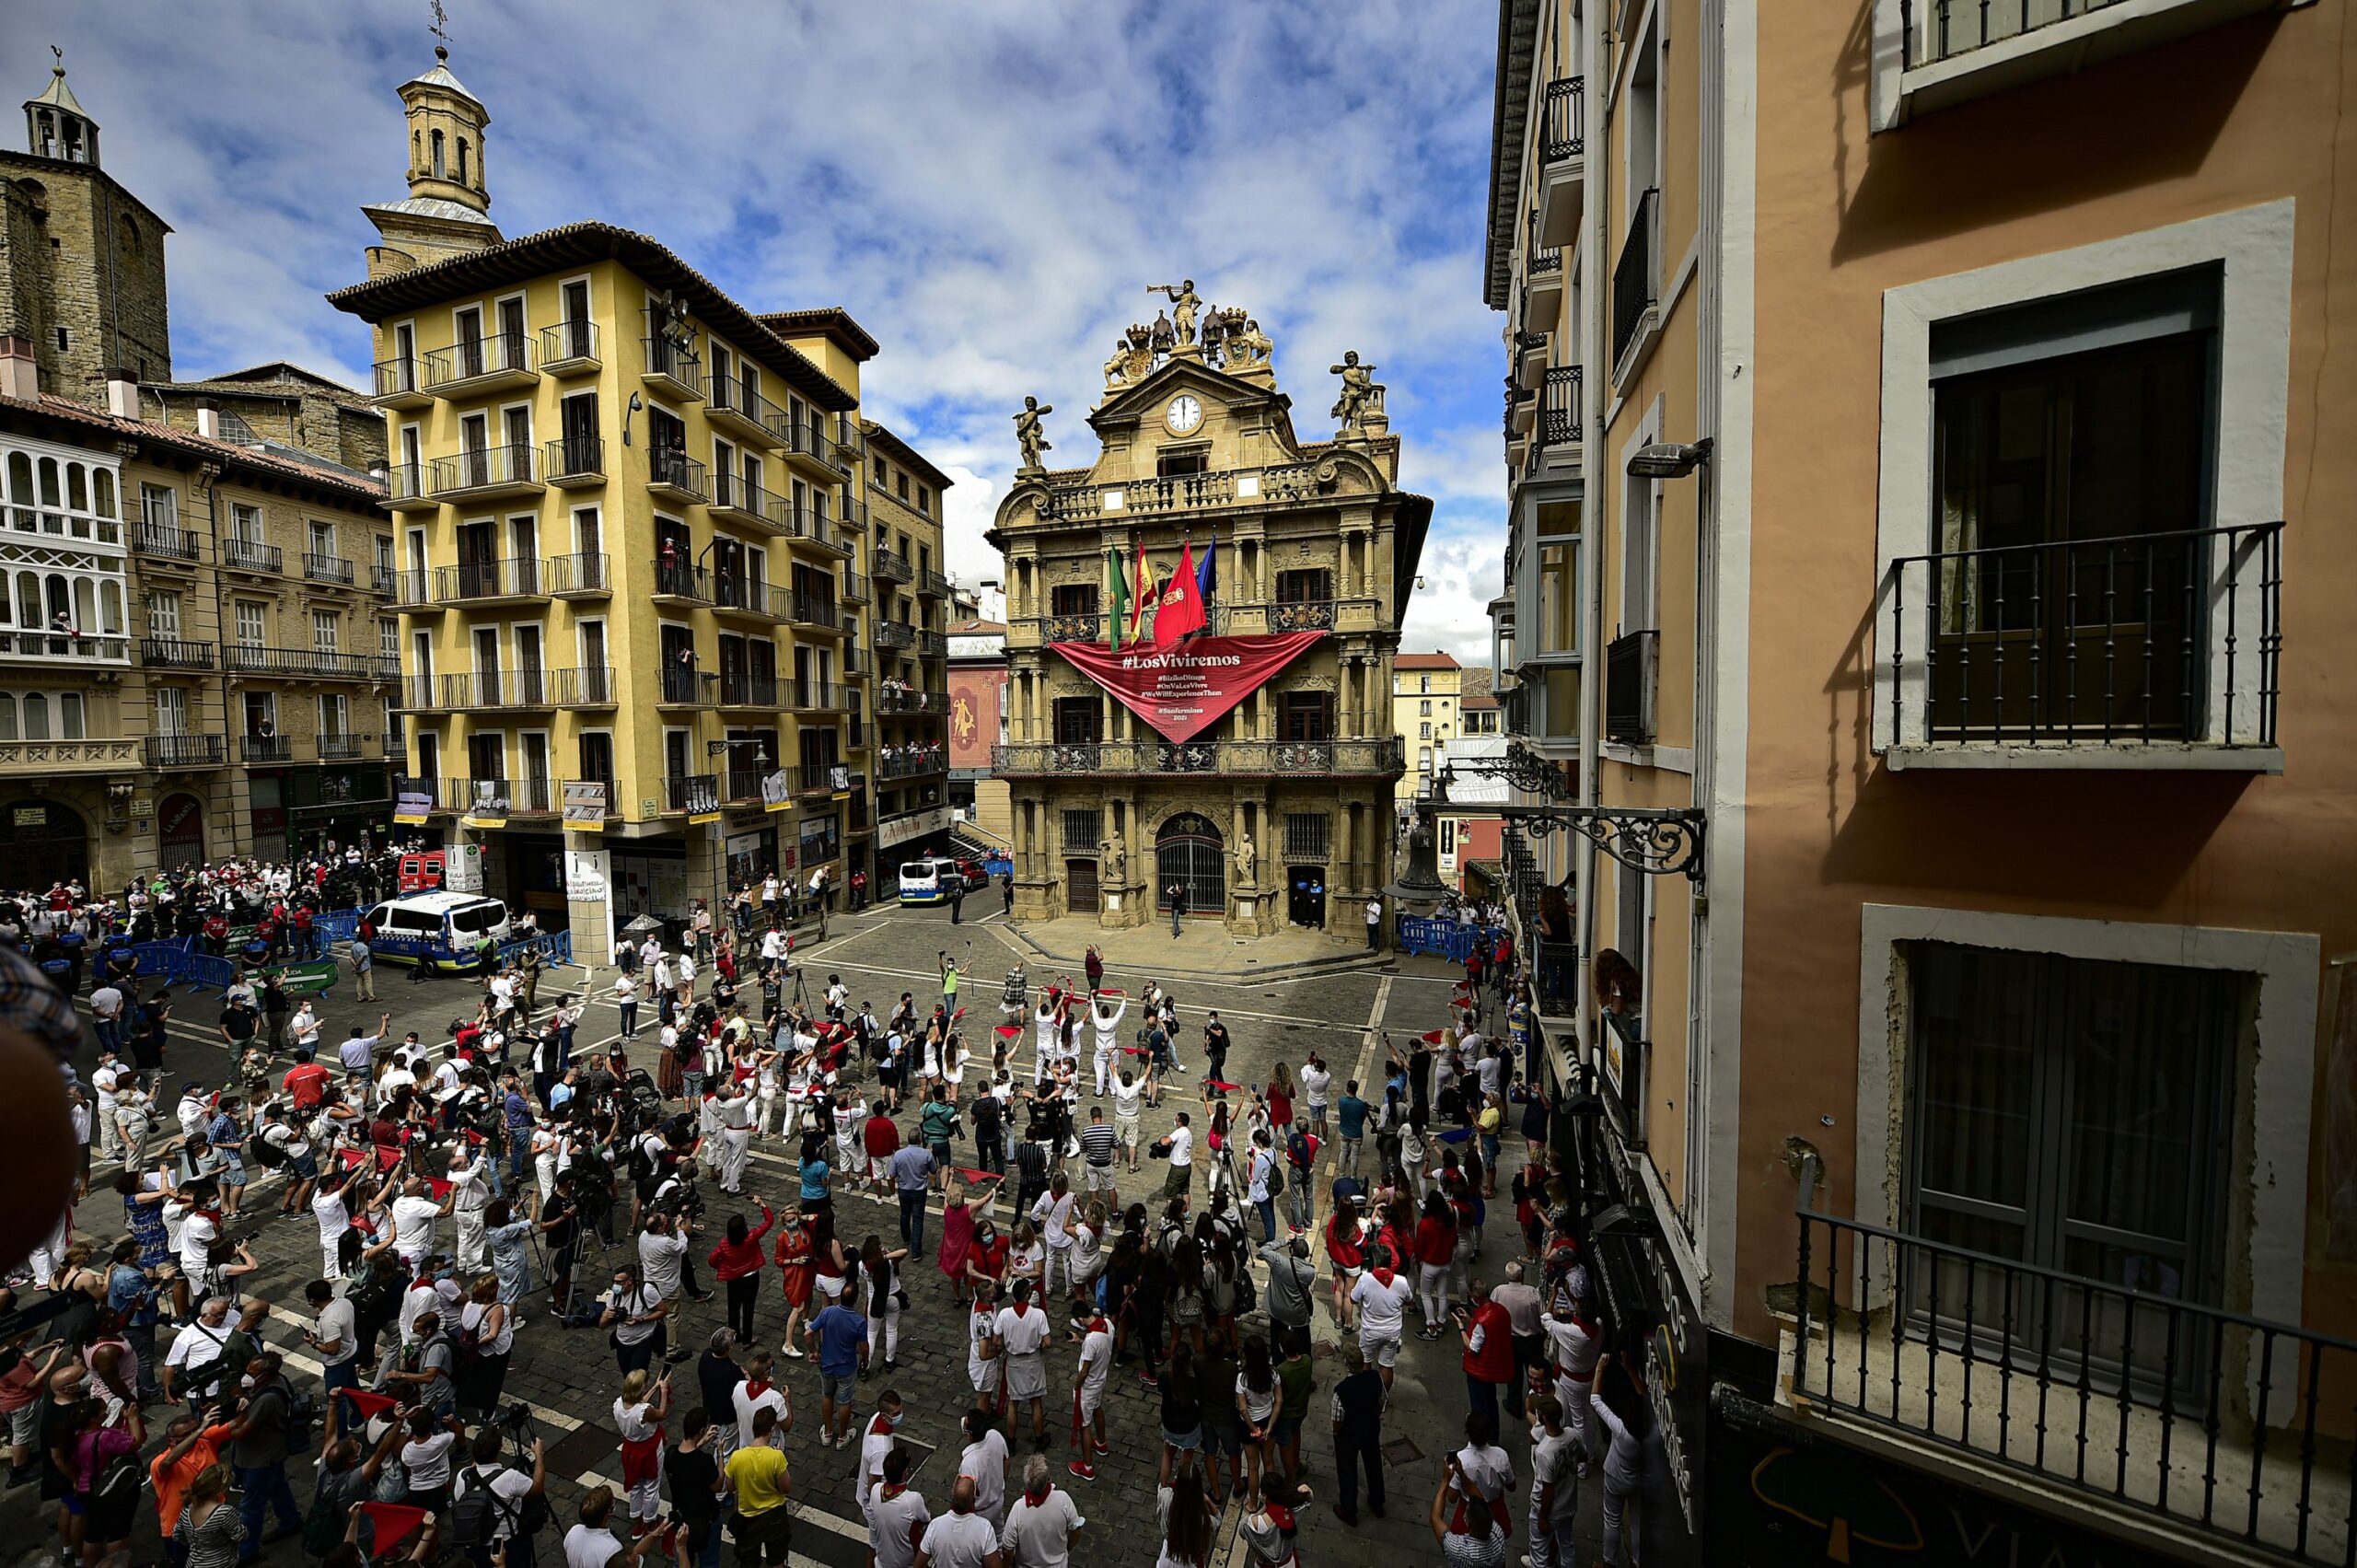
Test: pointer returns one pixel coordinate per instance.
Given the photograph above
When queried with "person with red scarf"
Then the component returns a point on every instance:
(1268, 1531)
(1436, 1246)
(640, 1421)
(1088, 1396)
(1346, 1250)
(795, 1261)
(1488, 1359)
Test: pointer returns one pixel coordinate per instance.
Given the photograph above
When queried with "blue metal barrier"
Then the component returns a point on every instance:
(554, 947)
(1443, 938)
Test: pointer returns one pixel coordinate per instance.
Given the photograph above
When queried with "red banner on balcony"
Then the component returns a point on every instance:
(1182, 691)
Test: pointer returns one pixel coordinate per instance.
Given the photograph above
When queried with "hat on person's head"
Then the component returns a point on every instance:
(192, 1086)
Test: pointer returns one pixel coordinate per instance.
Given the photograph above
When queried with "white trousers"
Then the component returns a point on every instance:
(469, 1238)
(734, 1143)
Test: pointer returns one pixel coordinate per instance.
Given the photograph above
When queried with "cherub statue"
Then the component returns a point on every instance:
(1358, 390)
(1029, 435)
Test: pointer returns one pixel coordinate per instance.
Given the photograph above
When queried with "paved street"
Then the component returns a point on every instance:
(568, 1375)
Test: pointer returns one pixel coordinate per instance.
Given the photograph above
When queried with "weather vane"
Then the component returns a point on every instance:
(441, 28)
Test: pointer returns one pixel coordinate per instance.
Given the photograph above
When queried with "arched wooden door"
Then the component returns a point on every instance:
(44, 841)
(1190, 852)
(180, 831)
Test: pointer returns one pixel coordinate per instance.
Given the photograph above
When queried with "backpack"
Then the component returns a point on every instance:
(466, 1343)
(264, 1153)
(118, 1483)
(475, 1515)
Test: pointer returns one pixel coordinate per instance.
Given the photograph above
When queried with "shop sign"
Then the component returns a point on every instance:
(900, 830)
(1185, 689)
(462, 868)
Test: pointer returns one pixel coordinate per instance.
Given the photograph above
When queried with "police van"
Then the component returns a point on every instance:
(929, 880)
(437, 931)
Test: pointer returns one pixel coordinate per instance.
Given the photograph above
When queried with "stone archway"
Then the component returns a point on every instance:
(43, 841)
(180, 831)
(1190, 850)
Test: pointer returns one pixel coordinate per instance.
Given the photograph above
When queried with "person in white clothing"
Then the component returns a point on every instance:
(896, 1515)
(988, 1464)
(1382, 1297)
(1022, 1332)
(1044, 1525)
(733, 1111)
(1053, 1214)
(1107, 1026)
(469, 1194)
(959, 1539)
(1094, 1370)
(414, 1213)
(638, 1419)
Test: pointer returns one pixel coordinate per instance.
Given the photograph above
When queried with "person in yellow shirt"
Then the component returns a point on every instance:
(757, 1471)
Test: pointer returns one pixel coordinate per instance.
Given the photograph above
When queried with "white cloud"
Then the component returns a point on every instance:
(1451, 612)
(987, 188)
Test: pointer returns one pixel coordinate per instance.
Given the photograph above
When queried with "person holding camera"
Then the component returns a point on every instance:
(499, 1527)
(635, 1314)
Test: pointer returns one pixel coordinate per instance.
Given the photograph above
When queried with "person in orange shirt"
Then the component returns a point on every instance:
(191, 1448)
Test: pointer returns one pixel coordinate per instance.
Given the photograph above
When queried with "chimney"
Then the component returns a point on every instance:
(208, 418)
(19, 380)
(122, 392)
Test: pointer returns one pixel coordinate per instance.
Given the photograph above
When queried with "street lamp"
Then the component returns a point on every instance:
(1670, 459)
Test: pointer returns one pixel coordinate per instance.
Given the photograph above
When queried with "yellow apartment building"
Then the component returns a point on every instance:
(630, 560)
(1425, 690)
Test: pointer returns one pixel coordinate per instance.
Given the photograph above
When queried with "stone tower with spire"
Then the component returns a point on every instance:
(82, 285)
(448, 211)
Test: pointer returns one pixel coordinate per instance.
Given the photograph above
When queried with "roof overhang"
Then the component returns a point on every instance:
(1509, 133)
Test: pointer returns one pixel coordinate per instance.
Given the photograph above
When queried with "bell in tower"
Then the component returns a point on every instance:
(56, 125)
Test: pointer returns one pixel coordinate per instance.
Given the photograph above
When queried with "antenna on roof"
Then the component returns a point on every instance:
(440, 29)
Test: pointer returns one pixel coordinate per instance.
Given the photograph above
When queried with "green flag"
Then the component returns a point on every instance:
(1117, 595)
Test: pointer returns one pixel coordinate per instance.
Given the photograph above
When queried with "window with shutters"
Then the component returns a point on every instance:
(1079, 721)
(326, 630)
(253, 624)
(1072, 599)
(164, 615)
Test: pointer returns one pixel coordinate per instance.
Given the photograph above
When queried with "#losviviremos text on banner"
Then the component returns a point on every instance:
(1182, 689)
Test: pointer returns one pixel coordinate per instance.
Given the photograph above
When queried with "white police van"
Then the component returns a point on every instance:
(437, 931)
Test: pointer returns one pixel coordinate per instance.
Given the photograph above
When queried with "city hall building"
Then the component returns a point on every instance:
(1253, 764)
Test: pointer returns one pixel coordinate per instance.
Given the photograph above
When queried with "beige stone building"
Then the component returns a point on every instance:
(194, 657)
(1196, 440)
(1926, 417)
(903, 501)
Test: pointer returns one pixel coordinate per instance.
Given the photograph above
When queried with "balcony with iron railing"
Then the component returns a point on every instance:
(855, 590)
(807, 527)
(892, 697)
(1542, 280)
(746, 688)
(1631, 678)
(814, 612)
(736, 499)
(670, 371)
(585, 686)
(2141, 1411)
(1636, 285)
(350, 747)
(1559, 423)
(327, 569)
(756, 786)
(569, 348)
(803, 438)
(575, 462)
(1562, 158)
(740, 598)
(1087, 626)
(172, 652)
(676, 476)
(406, 489)
(583, 574)
(743, 412)
(401, 384)
(266, 749)
(857, 660)
(158, 536)
(694, 793)
(381, 577)
(895, 634)
(915, 761)
(932, 584)
(890, 567)
(1383, 756)
(679, 582)
(495, 362)
(251, 556)
(475, 689)
(931, 644)
(187, 750)
(514, 580)
(683, 687)
(497, 799)
(812, 696)
(2143, 649)
(485, 473)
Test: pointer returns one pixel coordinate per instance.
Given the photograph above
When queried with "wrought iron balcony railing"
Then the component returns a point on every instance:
(670, 368)
(499, 689)
(265, 749)
(895, 634)
(2224, 1426)
(912, 762)
(327, 569)
(675, 578)
(1563, 128)
(741, 689)
(517, 577)
(732, 590)
(890, 567)
(1630, 676)
(164, 538)
(316, 664)
(932, 584)
(483, 468)
(1301, 615)
(350, 747)
(569, 345)
(682, 688)
(735, 493)
(2133, 641)
(677, 474)
(584, 571)
(695, 793)
(815, 696)
(1559, 407)
(586, 686)
(170, 653)
(187, 750)
(812, 610)
(855, 590)
(894, 698)
(1950, 29)
(1635, 285)
(405, 482)
(1539, 260)
(498, 797)
(575, 458)
(251, 556)
(498, 355)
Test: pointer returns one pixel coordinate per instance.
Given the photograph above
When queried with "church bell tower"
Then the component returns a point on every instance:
(448, 211)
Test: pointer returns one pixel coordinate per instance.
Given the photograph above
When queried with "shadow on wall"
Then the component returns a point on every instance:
(2148, 117)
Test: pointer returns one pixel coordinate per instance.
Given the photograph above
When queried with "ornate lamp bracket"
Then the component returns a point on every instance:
(1657, 841)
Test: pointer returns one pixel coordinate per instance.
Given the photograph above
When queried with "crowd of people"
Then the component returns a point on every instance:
(502, 1179)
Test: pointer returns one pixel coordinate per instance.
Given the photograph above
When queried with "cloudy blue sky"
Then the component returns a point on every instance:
(987, 186)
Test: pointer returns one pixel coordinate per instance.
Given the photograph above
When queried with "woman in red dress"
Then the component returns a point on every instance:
(1280, 1099)
(986, 1259)
(793, 1261)
(958, 1232)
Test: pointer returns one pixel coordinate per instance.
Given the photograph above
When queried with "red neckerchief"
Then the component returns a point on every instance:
(890, 1491)
(1020, 1308)
(1097, 1325)
(1038, 1499)
(879, 1426)
(213, 1214)
(755, 1390)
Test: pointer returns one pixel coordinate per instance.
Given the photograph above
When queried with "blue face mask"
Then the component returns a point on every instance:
(895, 1417)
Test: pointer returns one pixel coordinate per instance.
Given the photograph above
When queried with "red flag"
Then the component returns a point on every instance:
(394, 1521)
(1222, 1086)
(1180, 610)
(370, 1406)
(1006, 1031)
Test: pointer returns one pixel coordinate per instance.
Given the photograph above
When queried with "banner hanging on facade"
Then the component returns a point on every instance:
(1183, 691)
